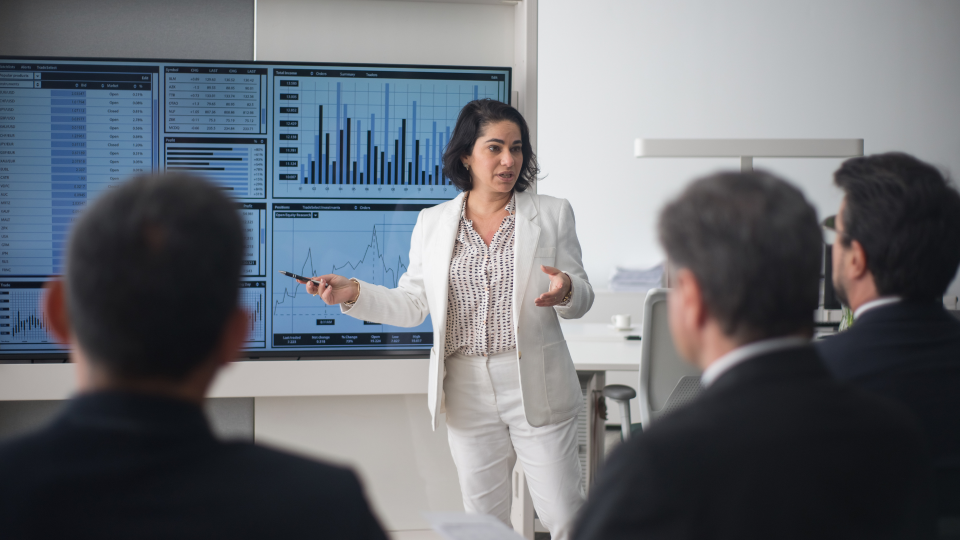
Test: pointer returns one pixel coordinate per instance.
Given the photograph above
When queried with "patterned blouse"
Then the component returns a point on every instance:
(480, 296)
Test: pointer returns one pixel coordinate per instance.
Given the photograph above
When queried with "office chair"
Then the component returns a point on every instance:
(622, 394)
(667, 381)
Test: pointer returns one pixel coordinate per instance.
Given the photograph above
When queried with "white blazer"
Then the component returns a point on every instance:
(545, 234)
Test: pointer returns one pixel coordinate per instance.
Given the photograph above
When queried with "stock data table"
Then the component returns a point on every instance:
(215, 100)
(65, 137)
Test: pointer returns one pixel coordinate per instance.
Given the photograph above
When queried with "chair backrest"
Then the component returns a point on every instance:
(667, 381)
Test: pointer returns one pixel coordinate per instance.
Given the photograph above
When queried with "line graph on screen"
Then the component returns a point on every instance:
(371, 243)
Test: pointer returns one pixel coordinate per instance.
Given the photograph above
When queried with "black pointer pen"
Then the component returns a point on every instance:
(294, 276)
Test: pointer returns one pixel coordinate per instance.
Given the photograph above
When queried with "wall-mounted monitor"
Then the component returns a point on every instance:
(329, 165)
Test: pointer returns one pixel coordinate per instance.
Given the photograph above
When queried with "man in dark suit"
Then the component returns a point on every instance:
(897, 249)
(773, 447)
(149, 305)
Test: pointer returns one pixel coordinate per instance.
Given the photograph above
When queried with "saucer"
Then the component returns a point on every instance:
(625, 329)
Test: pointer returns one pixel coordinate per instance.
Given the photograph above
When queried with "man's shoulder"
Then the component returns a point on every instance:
(673, 440)
(37, 445)
(65, 449)
(759, 427)
(805, 442)
(277, 461)
(892, 337)
(835, 350)
(759, 409)
(242, 488)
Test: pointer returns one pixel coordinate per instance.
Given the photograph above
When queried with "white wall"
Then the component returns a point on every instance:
(397, 32)
(887, 71)
(214, 29)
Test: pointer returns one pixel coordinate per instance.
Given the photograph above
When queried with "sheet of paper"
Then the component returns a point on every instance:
(636, 279)
(457, 526)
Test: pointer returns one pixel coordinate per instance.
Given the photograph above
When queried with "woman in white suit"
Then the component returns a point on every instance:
(495, 267)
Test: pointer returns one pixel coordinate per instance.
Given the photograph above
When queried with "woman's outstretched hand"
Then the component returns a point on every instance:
(559, 285)
(333, 289)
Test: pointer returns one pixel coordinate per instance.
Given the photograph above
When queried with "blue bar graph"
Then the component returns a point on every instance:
(388, 135)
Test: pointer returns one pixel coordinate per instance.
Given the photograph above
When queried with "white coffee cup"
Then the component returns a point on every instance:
(621, 322)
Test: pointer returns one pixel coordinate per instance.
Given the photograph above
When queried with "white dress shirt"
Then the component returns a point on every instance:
(751, 350)
(480, 295)
(875, 304)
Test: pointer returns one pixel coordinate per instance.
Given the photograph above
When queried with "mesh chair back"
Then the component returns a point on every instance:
(688, 388)
(667, 381)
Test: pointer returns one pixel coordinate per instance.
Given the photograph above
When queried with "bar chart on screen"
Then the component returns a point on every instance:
(22, 322)
(370, 133)
(252, 302)
(238, 166)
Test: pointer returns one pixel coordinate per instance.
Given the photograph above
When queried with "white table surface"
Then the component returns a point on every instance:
(600, 347)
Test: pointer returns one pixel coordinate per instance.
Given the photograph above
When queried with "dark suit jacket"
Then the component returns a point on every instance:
(127, 466)
(909, 352)
(774, 448)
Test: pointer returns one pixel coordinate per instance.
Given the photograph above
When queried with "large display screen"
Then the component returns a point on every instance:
(329, 165)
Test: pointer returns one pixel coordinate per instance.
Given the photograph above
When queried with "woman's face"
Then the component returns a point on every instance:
(496, 159)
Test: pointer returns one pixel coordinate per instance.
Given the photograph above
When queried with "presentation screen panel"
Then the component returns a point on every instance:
(329, 165)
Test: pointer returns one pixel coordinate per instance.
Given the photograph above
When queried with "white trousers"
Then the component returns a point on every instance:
(488, 432)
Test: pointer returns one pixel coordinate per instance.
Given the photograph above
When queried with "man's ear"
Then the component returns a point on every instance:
(686, 314)
(55, 310)
(856, 260)
(691, 298)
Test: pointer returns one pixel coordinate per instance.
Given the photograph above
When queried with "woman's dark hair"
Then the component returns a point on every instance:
(474, 117)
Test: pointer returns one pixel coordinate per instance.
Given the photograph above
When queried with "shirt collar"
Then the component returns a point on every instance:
(511, 206)
(746, 352)
(875, 304)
